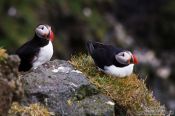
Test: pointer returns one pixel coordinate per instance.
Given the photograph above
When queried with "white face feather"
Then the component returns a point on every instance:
(123, 57)
(42, 31)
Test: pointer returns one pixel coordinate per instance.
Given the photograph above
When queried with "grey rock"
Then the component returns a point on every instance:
(65, 91)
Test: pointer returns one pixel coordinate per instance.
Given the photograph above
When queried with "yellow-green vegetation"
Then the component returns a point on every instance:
(3, 54)
(31, 110)
(129, 92)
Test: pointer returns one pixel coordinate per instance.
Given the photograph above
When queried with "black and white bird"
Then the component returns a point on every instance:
(38, 50)
(112, 60)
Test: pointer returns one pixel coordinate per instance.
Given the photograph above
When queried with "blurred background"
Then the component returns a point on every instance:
(147, 27)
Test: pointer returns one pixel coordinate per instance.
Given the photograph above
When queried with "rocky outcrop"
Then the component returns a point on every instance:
(65, 91)
(11, 87)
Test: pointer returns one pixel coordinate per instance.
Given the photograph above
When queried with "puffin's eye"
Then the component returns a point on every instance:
(42, 28)
(123, 54)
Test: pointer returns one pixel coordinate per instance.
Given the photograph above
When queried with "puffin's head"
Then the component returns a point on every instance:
(44, 31)
(126, 58)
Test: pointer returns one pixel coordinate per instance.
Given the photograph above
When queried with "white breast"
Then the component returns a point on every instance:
(119, 72)
(45, 54)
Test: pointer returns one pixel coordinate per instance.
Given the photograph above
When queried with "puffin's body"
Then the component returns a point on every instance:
(112, 60)
(37, 51)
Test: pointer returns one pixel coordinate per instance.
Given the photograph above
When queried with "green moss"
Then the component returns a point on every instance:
(129, 92)
(85, 91)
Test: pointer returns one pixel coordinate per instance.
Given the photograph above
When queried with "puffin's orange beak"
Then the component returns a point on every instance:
(51, 35)
(133, 60)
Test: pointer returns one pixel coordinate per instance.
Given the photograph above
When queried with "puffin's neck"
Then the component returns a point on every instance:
(40, 41)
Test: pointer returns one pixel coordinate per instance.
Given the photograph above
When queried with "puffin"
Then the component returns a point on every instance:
(112, 60)
(38, 50)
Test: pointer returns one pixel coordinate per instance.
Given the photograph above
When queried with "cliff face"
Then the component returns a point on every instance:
(65, 90)
(60, 88)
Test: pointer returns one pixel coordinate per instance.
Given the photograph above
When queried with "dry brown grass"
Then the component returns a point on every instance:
(3, 53)
(129, 92)
(31, 110)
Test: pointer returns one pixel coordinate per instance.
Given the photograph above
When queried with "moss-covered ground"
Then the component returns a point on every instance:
(130, 92)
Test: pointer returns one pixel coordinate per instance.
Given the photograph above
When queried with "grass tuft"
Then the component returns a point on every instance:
(129, 92)
(3, 54)
(31, 110)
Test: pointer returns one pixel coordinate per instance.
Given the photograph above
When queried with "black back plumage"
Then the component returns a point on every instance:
(29, 50)
(104, 55)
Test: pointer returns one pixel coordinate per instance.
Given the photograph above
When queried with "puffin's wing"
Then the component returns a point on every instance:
(91, 46)
(101, 54)
(27, 52)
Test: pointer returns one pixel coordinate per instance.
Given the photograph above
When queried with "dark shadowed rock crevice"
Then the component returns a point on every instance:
(65, 91)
